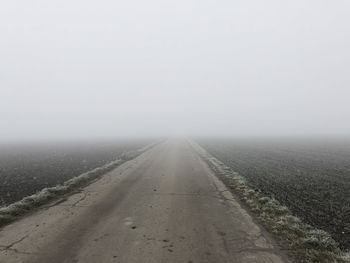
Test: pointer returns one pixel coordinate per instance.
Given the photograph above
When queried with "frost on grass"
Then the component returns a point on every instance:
(11, 212)
(304, 242)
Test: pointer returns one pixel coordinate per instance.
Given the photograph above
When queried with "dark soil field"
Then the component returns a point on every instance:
(310, 176)
(28, 168)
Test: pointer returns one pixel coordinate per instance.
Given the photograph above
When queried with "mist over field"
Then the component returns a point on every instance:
(86, 69)
(175, 131)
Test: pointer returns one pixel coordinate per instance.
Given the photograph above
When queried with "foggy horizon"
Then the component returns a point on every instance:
(87, 70)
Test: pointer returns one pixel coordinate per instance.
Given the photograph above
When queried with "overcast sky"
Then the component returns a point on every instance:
(83, 68)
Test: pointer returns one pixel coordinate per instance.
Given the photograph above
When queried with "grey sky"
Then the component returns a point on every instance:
(82, 68)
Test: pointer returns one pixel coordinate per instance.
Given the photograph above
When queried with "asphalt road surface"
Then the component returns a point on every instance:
(164, 206)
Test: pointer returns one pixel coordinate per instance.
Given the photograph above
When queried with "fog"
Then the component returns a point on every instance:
(107, 69)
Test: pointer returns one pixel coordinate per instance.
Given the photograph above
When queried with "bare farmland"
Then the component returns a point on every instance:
(310, 176)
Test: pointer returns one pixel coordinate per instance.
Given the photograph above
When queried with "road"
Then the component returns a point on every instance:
(164, 206)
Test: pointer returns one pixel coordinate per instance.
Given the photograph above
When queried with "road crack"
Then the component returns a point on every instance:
(9, 247)
(80, 200)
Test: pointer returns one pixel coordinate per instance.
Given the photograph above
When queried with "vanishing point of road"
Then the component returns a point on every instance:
(166, 205)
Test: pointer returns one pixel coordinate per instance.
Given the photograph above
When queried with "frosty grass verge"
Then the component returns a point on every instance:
(304, 242)
(13, 211)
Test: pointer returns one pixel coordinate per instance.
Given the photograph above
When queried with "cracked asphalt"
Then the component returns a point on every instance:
(164, 206)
